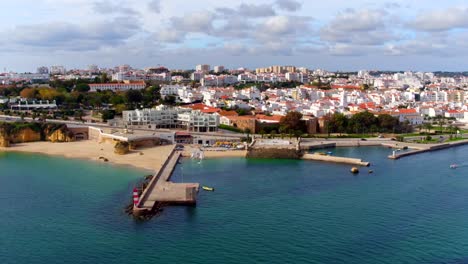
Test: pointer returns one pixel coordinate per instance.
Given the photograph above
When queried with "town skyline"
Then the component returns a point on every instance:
(417, 36)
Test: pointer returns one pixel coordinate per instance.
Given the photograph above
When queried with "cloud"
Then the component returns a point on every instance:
(234, 28)
(351, 50)
(194, 22)
(68, 36)
(283, 26)
(170, 36)
(363, 27)
(155, 6)
(289, 5)
(441, 20)
(112, 7)
(248, 10)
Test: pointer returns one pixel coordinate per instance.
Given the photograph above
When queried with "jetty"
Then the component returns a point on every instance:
(420, 148)
(161, 190)
(328, 158)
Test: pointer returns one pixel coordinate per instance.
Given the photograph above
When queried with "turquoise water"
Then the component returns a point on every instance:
(413, 210)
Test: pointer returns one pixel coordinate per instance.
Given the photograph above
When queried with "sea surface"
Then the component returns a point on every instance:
(412, 210)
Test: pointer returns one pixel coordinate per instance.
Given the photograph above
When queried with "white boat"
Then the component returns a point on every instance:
(453, 166)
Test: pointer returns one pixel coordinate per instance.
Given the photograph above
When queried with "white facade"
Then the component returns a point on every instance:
(203, 67)
(167, 117)
(117, 86)
(57, 70)
(218, 69)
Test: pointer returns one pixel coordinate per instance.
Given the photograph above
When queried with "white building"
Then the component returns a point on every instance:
(203, 68)
(196, 76)
(218, 69)
(57, 70)
(117, 86)
(168, 117)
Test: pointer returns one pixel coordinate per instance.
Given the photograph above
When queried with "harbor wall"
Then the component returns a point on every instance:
(274, 153)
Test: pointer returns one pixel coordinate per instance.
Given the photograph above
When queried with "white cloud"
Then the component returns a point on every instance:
(441, 20)
(289, 5)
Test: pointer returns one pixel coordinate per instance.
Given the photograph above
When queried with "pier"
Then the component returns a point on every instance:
(161, 190)
(345, 160)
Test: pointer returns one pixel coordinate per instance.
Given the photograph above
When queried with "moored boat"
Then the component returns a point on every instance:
(206, 188)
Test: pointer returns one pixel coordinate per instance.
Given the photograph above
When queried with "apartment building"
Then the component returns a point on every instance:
(117, 86)
(169, 117)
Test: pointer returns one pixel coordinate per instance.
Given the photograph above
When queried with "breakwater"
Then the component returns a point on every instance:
(429, 148)
(327, 158)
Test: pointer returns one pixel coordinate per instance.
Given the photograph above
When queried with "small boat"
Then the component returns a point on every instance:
(206, 188)
(453, 166)
(371, 171)
(354, 170)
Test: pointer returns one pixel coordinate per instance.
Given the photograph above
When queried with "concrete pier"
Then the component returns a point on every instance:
(345, 160)
(161, 190)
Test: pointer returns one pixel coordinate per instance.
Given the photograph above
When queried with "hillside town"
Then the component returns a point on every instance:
(205, 99)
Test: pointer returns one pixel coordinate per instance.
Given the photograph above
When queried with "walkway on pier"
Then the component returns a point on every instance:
(161, 189)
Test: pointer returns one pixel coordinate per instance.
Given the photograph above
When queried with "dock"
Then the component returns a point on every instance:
(161, 190)
(345, 160)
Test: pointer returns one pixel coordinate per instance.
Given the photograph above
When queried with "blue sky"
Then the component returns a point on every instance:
(333, 34)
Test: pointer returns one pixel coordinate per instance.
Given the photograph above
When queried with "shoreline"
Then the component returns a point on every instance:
(150, 160)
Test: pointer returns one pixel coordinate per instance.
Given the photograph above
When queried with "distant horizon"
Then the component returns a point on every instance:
(34, 70)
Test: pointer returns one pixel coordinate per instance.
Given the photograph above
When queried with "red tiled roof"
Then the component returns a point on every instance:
(275, 118)
(406, 111)
(228, 113)
(337, 86)
(203, 108)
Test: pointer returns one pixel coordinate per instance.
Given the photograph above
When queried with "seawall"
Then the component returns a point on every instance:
(274, 153)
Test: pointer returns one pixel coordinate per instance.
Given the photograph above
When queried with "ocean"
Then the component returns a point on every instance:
(412, 210)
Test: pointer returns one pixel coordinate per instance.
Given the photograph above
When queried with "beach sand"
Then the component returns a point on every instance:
(215, 154)
(151, 159)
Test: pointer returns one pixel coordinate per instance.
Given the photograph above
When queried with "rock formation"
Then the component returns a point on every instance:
(121, 148)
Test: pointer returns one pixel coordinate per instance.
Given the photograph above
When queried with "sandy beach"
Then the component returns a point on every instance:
(150, 159)
(211, 154)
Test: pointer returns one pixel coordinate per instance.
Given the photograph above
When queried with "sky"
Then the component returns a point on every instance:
(419, 35)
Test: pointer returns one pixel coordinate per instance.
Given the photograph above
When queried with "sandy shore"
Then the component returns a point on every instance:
(151, 158)
(216, 154)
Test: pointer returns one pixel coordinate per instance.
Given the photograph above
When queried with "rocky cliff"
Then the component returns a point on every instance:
(11, 133)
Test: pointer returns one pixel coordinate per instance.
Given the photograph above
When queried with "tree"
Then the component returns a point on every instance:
(104, 78)
(82, 88)
(338, 123)
(387, 123)
(29, 93)
(361, 122)
(107, 114)
(170, 100)
(428, 127)
(133, 97)
(292, 121)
